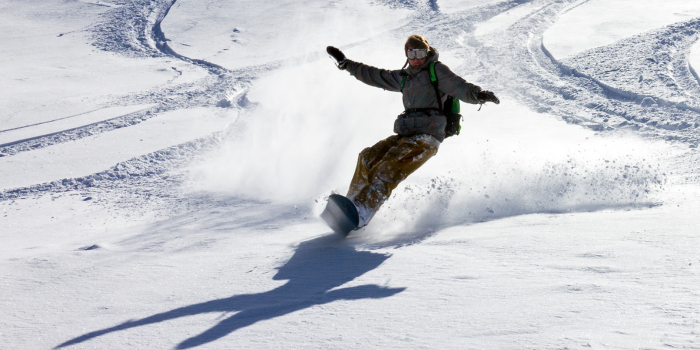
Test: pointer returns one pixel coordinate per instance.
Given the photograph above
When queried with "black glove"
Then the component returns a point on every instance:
(487, 96)
(337, 55)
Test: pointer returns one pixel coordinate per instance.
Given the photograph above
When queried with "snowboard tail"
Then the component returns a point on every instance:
(340, 214)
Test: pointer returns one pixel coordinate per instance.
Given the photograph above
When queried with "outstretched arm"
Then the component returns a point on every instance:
(381, 78)
(453, 85)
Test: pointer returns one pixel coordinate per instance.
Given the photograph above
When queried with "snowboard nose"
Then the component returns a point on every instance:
(340, 214)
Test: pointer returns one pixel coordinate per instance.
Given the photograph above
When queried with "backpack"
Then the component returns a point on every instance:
(450, 108)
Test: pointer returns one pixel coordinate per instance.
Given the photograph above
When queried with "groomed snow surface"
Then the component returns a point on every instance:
(163, 165)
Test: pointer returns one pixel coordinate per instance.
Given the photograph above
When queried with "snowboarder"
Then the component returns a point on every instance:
(427, 120)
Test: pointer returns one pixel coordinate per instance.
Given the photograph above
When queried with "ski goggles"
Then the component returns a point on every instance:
(416, 53)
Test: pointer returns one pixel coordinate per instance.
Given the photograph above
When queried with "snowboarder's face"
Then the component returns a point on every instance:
(415, 62)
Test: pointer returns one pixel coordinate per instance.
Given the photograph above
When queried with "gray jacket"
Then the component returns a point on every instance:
(418, 92)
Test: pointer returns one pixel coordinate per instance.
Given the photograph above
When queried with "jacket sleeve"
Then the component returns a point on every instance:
(381, 78)
(453, 85)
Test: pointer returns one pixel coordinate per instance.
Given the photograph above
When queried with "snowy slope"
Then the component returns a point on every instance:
(594, 23)
(163, 165)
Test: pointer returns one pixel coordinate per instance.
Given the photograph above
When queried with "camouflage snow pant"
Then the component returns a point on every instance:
(382, 167)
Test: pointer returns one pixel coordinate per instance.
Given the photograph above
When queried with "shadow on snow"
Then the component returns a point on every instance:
(316, 267)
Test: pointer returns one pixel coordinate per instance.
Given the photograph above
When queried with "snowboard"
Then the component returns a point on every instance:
(340, 214)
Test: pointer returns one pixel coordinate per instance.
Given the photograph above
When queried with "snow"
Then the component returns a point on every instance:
(255, 33)
(505, 19)
(150, 199)
(694, 57)
(64, 123)
(92, 154)
(95, 153)
(595, 23)
(455, 6)
(68, 77)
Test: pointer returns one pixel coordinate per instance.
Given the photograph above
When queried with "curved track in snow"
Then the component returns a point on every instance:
(132, 28)
(642, 83)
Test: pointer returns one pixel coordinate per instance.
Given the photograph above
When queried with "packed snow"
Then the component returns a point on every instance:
(163, 165)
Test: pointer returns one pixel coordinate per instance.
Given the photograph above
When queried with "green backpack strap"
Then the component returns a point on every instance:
(433, 76)
(434, 81)
(452, 103)
(403, 82)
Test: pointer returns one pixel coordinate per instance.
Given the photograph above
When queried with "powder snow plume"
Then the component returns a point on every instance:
(488, 175)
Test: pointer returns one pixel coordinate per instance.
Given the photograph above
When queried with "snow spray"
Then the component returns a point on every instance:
(511, 161)
(298, 137)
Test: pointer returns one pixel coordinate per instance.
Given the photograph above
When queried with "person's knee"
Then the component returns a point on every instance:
(364, 157)
(388, 172)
